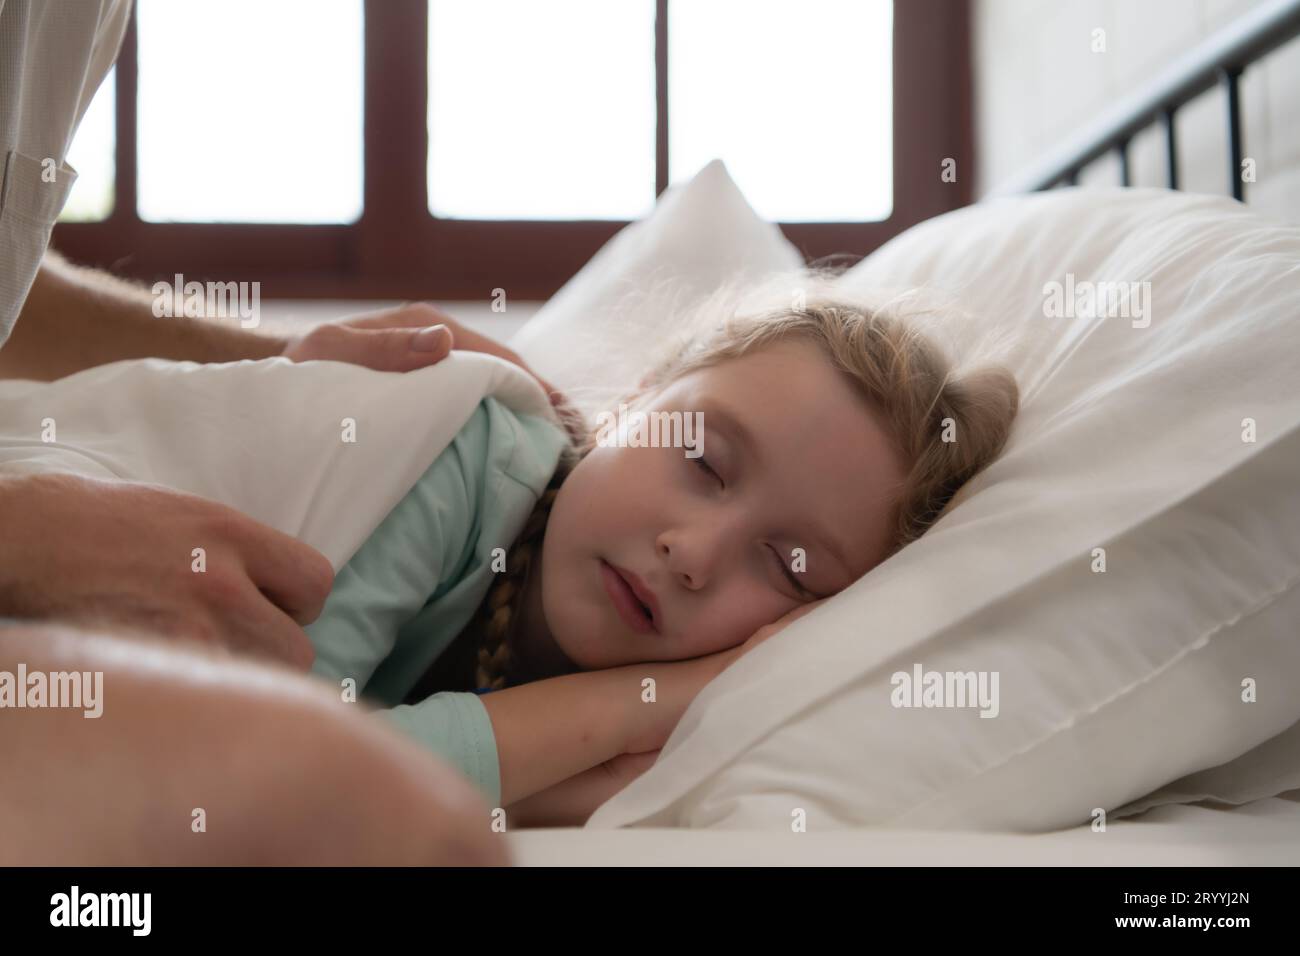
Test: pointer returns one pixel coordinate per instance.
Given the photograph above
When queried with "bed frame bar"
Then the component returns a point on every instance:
(1220, 60)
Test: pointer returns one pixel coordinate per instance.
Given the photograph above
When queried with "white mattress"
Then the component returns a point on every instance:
(1263, 833)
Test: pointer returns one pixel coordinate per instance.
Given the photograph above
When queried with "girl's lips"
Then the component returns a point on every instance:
(624, 600)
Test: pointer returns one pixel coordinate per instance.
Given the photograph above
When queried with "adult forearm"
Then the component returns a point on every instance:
(75, 318)
(276, 769)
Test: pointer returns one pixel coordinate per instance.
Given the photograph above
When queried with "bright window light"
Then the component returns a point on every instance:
(795, 96)
(91, 155)
(541, 110)
(250, 111)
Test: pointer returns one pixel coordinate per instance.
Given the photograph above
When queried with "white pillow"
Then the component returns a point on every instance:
(591, 337)
(1111, 684)
(1270, 769)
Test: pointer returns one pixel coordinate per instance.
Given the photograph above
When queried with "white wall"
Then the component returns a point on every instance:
(1038, 82)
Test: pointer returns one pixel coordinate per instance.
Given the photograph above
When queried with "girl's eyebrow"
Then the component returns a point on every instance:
(733, 427)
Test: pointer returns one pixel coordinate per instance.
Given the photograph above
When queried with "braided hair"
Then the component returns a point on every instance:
(482, 655)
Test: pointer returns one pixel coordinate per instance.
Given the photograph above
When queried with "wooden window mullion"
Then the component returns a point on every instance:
(398, 250)
(661, 96)
(391, 238)
(125, 159)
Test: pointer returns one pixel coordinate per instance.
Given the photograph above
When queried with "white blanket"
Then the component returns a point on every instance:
(265, 437)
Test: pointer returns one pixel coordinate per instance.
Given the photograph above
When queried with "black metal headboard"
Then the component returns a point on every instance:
(1219, 60)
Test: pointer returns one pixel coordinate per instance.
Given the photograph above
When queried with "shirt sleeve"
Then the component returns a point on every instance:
(456, 727)
(402, 566)
(53, 58)
(412, 559)
(416, 582)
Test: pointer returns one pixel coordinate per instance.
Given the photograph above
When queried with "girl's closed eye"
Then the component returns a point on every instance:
(708, 469)
(789, 575)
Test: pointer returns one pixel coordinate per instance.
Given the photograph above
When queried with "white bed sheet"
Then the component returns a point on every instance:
(1262, 833)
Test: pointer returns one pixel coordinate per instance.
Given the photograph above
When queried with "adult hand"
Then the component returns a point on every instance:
(400, 340)
(103, 552)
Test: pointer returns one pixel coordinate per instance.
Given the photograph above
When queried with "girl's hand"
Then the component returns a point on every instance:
(676, 684)
(625, 768)
(767, 630)
(571, 802)
(680, 681)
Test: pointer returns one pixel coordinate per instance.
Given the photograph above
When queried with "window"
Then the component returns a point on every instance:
(539, 138)
(796, 98)
(438, 149)
(91, 155)
(270, 132)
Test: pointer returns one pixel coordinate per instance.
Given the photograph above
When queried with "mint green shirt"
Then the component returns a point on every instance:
(418, 579)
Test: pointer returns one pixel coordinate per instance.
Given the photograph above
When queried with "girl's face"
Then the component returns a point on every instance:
(794, 462)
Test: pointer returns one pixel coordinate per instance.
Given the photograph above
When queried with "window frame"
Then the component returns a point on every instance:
(398, 250)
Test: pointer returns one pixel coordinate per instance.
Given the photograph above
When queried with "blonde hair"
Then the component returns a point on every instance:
(883, 348)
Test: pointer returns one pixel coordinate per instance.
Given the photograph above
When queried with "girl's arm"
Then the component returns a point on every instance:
(571, 803)
(551, 730)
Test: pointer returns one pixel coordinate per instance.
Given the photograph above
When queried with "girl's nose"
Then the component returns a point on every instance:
(691, 554)
(672, 555)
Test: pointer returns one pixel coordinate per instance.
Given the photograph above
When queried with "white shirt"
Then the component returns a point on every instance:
(53, 56)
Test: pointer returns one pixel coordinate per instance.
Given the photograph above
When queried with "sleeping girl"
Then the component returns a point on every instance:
(509, 610)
